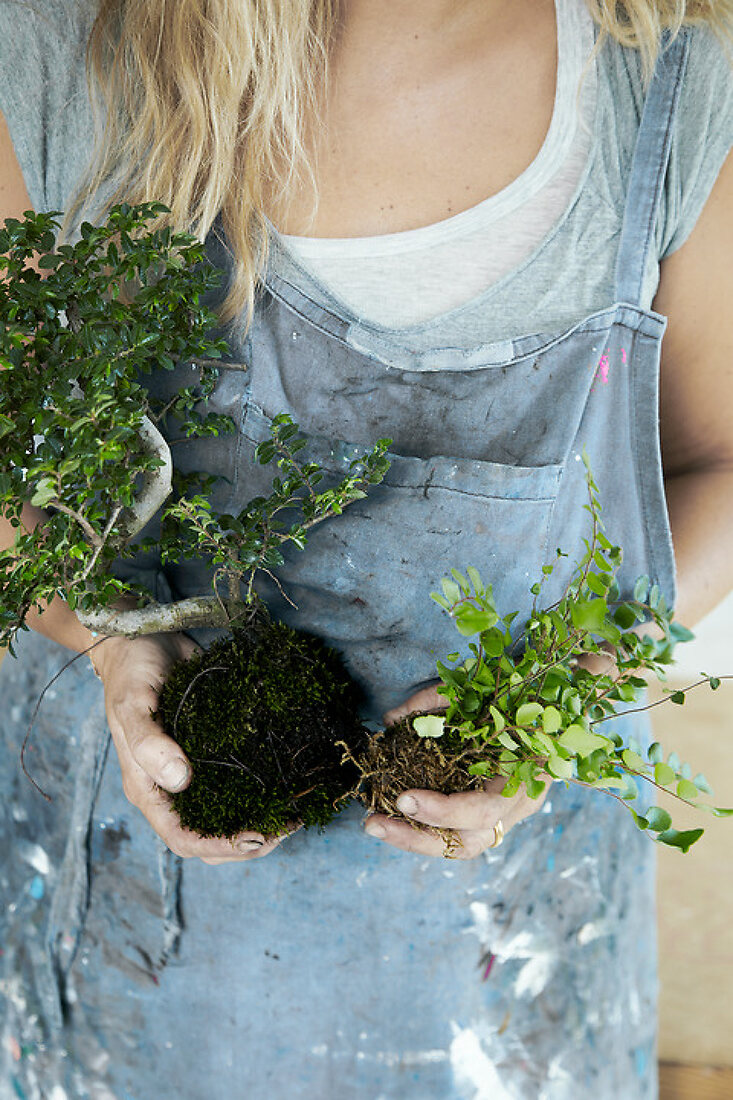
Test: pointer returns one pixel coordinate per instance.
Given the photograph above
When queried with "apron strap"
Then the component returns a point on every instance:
(649, 167)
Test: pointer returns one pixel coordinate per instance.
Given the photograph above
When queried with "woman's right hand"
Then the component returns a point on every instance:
(133, 671)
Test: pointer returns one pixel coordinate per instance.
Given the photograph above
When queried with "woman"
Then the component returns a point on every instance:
(476, 282)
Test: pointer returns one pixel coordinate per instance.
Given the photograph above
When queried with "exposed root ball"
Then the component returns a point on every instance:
(397, 759)
(258, 716)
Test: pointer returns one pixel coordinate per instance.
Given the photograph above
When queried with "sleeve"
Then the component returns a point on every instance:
(703, 137)
(43, 94)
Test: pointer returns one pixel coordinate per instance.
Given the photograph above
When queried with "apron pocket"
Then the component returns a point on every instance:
(364, 580)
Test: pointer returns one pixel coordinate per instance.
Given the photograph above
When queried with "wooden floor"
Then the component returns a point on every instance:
(680, 1082)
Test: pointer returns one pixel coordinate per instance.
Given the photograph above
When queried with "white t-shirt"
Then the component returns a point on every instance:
(399, 279)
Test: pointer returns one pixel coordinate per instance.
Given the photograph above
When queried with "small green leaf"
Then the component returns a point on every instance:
(551, 719)
(663, 774)
(632, 760)
(498, 717)
(472, 620)
(602, 562)
(528, 713)
(561, 769)
(595, 584)
(577, 740)
(687, 790)
(588, 614)
(683, 841)
(677, 697)
(429, 725)
(451, 590)
(656, 753)
(624, 616)
(461, 581)
(702, 784)
(475, 580)
(641, 588)
(659, 819)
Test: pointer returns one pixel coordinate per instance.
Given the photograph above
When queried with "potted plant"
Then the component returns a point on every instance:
(82, 436)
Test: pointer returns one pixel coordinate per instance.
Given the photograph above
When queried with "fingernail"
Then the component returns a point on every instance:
(174, 775)
(249, 845)
(376, 830)
(406, 804)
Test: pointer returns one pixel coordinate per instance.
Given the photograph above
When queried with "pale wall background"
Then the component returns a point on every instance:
(695, 891)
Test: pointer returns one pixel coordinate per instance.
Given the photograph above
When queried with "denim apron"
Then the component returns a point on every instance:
(339, 967)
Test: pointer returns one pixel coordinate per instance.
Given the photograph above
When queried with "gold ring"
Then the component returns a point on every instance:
(498, 834)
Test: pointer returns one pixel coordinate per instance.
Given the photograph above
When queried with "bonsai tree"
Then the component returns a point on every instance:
(527, 710)
(81, 436)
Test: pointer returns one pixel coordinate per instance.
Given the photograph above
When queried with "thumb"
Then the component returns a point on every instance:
(159, 756)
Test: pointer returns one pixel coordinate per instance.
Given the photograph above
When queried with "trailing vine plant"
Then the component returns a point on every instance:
(526, 709)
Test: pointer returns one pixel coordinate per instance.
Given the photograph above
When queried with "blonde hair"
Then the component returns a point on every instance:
(198, 103)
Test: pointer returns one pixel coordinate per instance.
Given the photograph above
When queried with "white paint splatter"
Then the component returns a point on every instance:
(35, 856)
(472, 1066)
(320, 1050)
(593, 930)
(482, 925)
(534, 975)
(57, 1093)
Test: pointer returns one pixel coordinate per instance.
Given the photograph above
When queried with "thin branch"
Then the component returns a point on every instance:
(638, 710)
(85, 525)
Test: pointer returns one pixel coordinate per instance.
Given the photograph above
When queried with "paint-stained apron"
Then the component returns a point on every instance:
(339, 967)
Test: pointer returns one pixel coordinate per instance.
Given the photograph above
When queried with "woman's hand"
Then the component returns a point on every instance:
(133, 671)
(472, 816)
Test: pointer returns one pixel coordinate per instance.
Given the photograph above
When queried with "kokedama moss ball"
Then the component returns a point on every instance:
(258, 715)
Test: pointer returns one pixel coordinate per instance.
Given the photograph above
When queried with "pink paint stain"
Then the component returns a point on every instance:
(623, 355)
(489, 965)
(603, 367)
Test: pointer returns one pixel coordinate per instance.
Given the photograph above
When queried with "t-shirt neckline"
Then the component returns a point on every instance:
(575, 38)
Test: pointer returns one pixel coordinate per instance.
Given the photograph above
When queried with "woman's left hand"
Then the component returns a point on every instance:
(472, 816)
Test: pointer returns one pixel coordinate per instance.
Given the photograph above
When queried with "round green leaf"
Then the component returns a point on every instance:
(687, 789)
(561, 769)
(577, 740)
(528, 713)
(658, 819)
(663, 774)
(551, 720)
(429, 725)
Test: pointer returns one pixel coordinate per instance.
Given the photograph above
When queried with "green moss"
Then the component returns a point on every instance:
(258, 716)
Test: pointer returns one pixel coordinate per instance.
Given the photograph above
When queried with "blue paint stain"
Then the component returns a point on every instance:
(640, 1061)
(559, 829)
(37, 888)
(551, 863)
(18, 1090)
